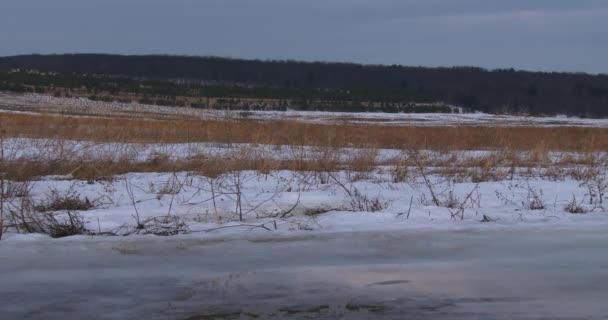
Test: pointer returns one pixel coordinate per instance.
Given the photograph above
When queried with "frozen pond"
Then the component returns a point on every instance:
(499, 273)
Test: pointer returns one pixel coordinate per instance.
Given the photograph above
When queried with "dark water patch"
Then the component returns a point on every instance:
(490, 300)
(389, 283)
(267, 296)
(364, 307)
(227, 315)
(304, 309)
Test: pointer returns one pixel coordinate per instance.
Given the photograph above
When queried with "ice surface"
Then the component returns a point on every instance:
(553, 272)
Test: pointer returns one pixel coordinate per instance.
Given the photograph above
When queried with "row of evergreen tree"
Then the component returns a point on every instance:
(471, 88)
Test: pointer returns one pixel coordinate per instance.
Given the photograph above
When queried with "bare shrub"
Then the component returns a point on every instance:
(457, 207)
(316, 211)
(71, 225)
(160, 226)
(399, 173)
(363, 203)
(594, 178)
(575, 207)
(451, 201)
(171, 187)
(487, 218)
(421, 162)
(26, 219)
(532, 201)
(70, 201)
(163, 226)
(597, 187)
(16, 189)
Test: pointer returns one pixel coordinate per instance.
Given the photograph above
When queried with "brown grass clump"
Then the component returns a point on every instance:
(205, 166)
(445, 138)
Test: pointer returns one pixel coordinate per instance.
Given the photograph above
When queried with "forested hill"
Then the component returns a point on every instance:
(473, 88)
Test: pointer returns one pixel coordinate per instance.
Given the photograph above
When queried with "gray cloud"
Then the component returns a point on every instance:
(527, 34)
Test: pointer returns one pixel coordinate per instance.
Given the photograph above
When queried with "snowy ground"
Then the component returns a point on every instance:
(36, 103)
(295, 202)
(237, 204)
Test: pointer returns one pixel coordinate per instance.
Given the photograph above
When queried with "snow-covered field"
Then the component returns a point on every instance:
(36, 103)
(392, 195)
(249, 204)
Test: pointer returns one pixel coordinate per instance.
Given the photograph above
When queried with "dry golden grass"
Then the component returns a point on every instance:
(538, 140)
(512, 147)
(105, 169)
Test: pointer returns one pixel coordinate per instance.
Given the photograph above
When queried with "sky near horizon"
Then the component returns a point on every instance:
(550, 35)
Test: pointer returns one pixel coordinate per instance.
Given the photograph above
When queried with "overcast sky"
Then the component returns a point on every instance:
(564, 35)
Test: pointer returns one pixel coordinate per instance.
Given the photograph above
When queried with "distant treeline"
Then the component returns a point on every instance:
(496, 91)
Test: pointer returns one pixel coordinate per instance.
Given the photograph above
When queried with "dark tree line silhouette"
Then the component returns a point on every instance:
(496, 91)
